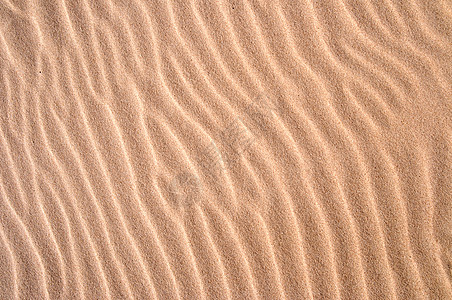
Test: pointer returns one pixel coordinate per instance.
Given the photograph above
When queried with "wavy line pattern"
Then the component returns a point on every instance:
(115, 117)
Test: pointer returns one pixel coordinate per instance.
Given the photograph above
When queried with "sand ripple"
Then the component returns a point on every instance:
(226, 149)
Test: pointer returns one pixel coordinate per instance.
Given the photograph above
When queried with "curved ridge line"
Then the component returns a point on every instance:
(10, 57)
(129, 166)
(293, 49)
(381, 104)
(390, 60)
(338, 65)
(216, 55)
(186, 240)
(206, 34)
(115, 67)
(10, 101)
(54, 241)
(337, 185)
(324, 224)
(268, 58)
(293, 216)
(95, 201)
(336, 61)
(109, 184)
(188, 50)
(179, 145)
(134, 180)
(398, 18)
(188, 86)
(143, 126)
(375, 17)
(320, 211)
(236, 43)
(74, 259)
(404, 219)
(95, 43)
(263, 45)
(434, 69)
(4, 238)
(146, 16)
(181, 40)
(425, 167)
(46, 221)
(336, 182)
(135, 52)
(92, 195)
(114, 48)
(394, 57)
(191, 254)
(30, 240)
(354, 101)
(230, 185)
(159, 193)
(375, 74)
(12, 8)
(353, 231)
(426, 29)
(14, 172)
(362, 163)
(269, 243)
(232, 232)
(226, 172)
(307, 68)
(65, 182)
(420, 53)
(261, 188)
(77, 49)
(215, 251)
(167, 89)
(429, 215)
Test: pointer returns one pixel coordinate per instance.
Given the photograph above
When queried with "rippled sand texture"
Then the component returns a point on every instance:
(225, 149)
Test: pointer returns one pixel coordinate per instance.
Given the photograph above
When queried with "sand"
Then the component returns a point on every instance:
(225, 149)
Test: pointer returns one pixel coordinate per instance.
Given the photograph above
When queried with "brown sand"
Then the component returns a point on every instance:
(226, 149)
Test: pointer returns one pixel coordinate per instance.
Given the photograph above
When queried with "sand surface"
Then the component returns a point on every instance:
(290, 149)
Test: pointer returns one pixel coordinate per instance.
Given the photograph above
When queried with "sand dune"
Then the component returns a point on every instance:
(226, 149)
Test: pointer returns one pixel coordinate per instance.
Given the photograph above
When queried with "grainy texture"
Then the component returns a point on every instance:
(225, 149)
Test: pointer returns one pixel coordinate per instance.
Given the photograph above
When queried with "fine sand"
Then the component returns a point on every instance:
(289, 149)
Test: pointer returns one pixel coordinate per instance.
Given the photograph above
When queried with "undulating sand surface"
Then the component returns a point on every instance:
(226, 149)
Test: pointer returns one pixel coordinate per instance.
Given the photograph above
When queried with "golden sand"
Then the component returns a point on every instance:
(226, 149)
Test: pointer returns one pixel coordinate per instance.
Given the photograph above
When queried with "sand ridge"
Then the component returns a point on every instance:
(225, 149)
